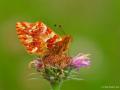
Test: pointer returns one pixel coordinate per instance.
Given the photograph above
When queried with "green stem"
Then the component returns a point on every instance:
(56, 86)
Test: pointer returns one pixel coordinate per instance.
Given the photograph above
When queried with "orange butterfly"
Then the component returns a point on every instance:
(40, 39)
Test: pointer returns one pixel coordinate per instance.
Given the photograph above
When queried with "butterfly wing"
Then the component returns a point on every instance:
(61, 46)
(36, 37)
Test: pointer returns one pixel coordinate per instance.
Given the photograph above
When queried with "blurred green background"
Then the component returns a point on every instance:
(94, 25)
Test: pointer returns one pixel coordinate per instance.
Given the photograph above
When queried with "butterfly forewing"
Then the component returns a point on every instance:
(36, 37)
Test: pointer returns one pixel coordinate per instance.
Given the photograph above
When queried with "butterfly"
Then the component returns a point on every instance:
(40, 39)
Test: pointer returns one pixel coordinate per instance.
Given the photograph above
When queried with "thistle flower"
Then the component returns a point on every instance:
(81, 60)
(53, 62)
(59, 61)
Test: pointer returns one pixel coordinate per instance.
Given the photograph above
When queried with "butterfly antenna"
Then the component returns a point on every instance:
(60, 28)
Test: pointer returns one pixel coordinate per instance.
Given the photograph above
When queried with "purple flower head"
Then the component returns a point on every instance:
(36, 63)
(81, 60)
